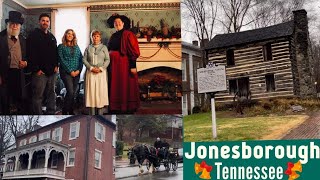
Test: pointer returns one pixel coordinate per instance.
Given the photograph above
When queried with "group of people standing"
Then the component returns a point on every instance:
(111, 76)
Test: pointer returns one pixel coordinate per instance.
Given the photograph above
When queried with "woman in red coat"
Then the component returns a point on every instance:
(123, 50)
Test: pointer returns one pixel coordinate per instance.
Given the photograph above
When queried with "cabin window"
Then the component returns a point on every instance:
(267, 52)
(233, 86)
(241, 84)
(230, 57)
(270, 84)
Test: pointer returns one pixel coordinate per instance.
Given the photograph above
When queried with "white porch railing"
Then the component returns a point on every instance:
(43, 172)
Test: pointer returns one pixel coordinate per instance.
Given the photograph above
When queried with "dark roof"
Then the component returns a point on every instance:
(102, 119)
(232, 39)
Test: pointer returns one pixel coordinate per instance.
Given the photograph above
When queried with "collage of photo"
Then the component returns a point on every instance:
(104, 89)
(90, 90)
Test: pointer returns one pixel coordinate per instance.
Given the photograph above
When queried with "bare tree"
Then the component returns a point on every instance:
(22, 124)
(235, 14)
(274, 11)
(5, 135)
(203, 14)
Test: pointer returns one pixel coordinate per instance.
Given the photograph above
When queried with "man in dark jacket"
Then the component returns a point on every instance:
(165, 144)
(43, 61)
(12, 63)
(158, 143)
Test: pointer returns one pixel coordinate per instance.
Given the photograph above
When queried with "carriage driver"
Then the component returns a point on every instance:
(158, 143)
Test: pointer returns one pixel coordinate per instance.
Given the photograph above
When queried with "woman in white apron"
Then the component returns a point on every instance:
(96, 59)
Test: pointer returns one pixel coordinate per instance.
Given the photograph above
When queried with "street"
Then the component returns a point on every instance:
(131, 172)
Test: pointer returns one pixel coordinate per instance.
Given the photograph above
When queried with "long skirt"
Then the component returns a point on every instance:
(96, 89)
(124, 87)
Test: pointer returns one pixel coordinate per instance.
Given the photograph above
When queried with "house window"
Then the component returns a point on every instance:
(23, 142)
(267, 52)
(33, 139)
(184, 101)
(196, 67)
(71, 157)
(99, 132)
(233, 86)
(97, 159)
(184, 69)
(57, 134)
(74, 130)
(45, 135)
(270, 84)
(54, 161)
(230, 57)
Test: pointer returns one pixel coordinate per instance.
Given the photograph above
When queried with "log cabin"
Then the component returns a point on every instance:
(269, 62)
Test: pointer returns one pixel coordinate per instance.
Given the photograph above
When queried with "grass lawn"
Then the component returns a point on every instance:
(198, 127)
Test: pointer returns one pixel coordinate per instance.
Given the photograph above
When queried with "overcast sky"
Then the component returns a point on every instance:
(45, 120)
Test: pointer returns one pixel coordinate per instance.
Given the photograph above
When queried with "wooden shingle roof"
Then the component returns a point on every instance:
(244, 37)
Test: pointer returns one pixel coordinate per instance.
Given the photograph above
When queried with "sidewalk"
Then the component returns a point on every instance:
(124, 163)
(310, 129)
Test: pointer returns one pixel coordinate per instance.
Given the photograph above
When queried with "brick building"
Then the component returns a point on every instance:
(75, 148)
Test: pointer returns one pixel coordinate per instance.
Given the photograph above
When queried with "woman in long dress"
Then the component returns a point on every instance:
(124, 51)
(96, 59)
(70, 59)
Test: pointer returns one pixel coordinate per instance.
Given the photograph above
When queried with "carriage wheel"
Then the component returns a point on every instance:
(166, 165)
(174, 164)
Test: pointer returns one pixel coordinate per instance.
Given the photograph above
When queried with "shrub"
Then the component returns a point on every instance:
(119, 148)
(196, 109)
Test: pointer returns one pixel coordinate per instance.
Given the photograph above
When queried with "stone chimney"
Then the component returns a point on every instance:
(195, 43)
(304, 80)
(204, 43)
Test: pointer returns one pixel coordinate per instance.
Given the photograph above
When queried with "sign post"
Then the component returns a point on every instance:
(210, 80)
(213, 117)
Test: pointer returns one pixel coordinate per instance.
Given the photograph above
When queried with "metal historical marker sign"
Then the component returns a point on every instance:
(212, 79)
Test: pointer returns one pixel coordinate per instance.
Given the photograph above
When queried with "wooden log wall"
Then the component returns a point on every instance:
(249, 62)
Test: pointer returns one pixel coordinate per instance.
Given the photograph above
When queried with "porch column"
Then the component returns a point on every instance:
(5, 159)
(65, 162)
(46, 157)
(30, 159)
(16, 162)
(191, 71)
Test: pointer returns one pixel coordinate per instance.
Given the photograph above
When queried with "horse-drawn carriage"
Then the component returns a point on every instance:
(154, 157)
(165, 157)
